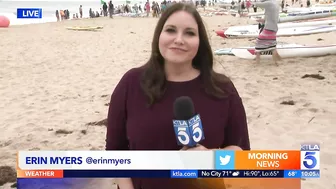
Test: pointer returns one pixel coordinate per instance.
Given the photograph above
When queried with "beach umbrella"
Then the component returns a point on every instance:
(4, 22)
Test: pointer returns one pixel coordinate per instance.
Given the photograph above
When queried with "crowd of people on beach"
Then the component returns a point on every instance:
(156, 9)
(153, 8)
(244, 6)
(62, 15)
(65, 14)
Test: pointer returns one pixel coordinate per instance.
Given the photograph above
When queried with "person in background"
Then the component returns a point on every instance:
(282, 5)
(181, 64)
(266, 40)
(239, 8)
(105, 9)
(154, 9)
(163, 6)
(91, 13)
(135, 9)
(126, 9)
(111, 9)
(232, 4)
(147, 8)
(158, 9)
(242, 4)
(81, 11)
(248, 5)
(308, 3)
(57, 16)
(62, 14)
(255, 8)
(67, 14)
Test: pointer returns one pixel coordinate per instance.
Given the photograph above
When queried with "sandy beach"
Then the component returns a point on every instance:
(54, 82)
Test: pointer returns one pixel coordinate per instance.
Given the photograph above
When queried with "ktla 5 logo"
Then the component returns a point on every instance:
(189, 132)
(310, 160)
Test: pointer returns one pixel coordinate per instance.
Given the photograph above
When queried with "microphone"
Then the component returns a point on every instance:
(187, 126)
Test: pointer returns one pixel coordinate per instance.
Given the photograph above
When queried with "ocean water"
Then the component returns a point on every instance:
(8, 8)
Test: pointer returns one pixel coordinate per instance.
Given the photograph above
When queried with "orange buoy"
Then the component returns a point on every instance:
(4, 22)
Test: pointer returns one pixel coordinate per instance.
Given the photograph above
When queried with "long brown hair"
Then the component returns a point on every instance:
(153, 81)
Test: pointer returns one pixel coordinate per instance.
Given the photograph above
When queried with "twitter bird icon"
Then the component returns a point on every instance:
(224, 159)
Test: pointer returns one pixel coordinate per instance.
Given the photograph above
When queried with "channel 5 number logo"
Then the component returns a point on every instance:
(194, 131)
(183, 135)
(197, 132)
(310, 160)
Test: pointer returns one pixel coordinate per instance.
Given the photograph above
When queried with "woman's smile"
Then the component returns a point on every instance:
(177, 50)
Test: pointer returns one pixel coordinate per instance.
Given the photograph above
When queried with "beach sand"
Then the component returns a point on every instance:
(54, 79)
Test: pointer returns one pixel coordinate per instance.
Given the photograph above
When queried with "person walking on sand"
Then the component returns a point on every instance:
(308, 3)
(248, 5)
(266, 40)
(105, 9)
(81, 11)
(67, 14)
(111, 9)
(57, 16)
(255, 8)
(148, 8)
(282, 5)
(62, 14)
(239, 8)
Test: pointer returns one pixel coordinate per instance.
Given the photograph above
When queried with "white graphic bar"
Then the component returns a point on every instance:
(116, 160)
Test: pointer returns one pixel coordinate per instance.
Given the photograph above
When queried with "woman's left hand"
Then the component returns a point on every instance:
(198, 147)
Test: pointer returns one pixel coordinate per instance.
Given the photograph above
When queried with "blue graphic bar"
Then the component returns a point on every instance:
(190, 174)
(292, 174)
(184, 174)
(310, 174)
(29, 13)
(241, 174)
(173, 173)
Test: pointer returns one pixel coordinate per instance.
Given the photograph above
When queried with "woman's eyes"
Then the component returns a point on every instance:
(190, 33)
(170, 30)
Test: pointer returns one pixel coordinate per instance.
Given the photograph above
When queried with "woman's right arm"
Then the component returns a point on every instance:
(116, 137)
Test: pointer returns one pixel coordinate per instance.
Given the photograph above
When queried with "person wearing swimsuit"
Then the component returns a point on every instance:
(266, 40)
